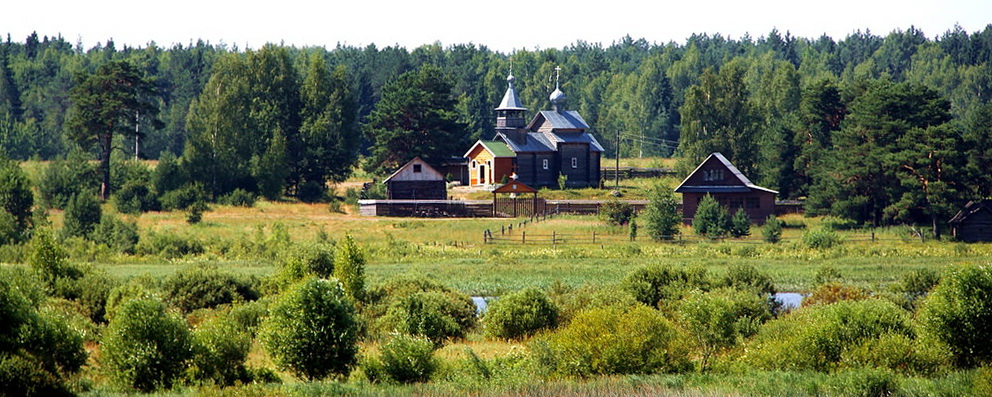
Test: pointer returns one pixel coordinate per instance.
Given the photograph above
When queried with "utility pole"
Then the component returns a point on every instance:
(617, 176)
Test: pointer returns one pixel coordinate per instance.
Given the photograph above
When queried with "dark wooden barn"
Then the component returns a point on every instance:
(974, 222)
(416, 180)
(719, 178)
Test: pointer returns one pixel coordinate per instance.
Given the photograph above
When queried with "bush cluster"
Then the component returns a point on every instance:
(312, 330)
(614, 341)
(520, 314)
(403, 359)
(144, 347)
(417, 305)
(203, 287)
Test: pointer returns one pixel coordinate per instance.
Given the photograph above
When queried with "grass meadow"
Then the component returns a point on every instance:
(558, 253)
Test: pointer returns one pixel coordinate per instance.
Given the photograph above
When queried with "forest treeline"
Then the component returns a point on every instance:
(875, 128)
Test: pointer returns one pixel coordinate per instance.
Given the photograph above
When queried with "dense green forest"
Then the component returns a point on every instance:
(879, 129)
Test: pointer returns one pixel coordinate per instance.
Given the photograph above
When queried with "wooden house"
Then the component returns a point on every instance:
(555, 142)
(719, 178)
(489, 162)
(416, 180)
(974, 222)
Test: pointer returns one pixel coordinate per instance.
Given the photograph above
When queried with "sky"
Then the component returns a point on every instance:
(503, 26)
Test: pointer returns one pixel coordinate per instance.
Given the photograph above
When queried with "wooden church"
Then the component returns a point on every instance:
(555, 142)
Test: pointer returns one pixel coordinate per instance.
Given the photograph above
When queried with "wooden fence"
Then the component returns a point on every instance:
(508, 234)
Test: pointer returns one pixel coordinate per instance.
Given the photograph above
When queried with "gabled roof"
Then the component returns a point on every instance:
(973, 207)
(584, 137)
(515, 187)
(533, 143)
(427, 169)
(497, 148)
(744, 187)
(564, 120)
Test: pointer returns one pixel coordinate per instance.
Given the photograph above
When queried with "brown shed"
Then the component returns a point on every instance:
(719, 178)
(974, 222)
(416, 180)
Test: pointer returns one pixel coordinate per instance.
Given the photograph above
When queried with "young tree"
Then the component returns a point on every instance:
(312, 330)
(16, 197)
(740, 224)
(349, 268)
(107, 103)
(81, 216)
(416, 117)
(711, 218)
(144, 347)
(662, 217)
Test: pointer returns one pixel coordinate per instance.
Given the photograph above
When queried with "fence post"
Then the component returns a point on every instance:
(594, 237)
(523, 237)
(502, 230)
(554, 238)
(873, 235)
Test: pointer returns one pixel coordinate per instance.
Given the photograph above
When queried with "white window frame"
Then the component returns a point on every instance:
(575, 162)
(544, 163)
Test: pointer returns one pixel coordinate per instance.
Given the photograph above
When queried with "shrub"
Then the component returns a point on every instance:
(312, 331)
(817, 337)
(305, 260)
(958, 312)
(617, 213)
(64, 179)
(22, 376)
(81, 216)
(562, 181)
(915, 285)
(614, 341)
(399, 305)
(312, 192)
(833, 292)
(711, 219)
(661, 216)
(94, 290)
(145, 348)
(740, 224)
(771, 231)
(408, 359)
(573, 301)
(135, 197)
(168, 175)
(204, 287)
(748, 278)
(169, 246)
(718, 320)
(16, 200)
(821, 239)
(656, 283)
(220, 349)
(239, 198)
(48, 259)
(430, 314)
(194, 213)
(117, 234)
(184, 197)
(520, 314)
(349, 268)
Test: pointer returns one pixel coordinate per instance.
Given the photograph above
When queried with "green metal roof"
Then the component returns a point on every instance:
(499, 149)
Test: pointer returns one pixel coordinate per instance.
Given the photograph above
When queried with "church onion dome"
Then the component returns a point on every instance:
(557, 96)
(510, 99)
